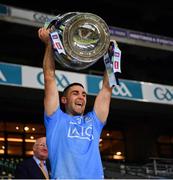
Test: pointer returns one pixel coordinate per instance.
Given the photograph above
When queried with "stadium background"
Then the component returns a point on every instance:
(139, 130)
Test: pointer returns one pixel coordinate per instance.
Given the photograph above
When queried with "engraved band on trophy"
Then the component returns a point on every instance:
(79, 39)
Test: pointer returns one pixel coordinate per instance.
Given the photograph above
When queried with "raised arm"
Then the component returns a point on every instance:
(102, 102)
(51, 98)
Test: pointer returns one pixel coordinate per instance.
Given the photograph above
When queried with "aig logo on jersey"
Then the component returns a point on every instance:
(79, 131)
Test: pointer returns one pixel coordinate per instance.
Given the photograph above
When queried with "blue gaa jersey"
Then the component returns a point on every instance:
(73, 145)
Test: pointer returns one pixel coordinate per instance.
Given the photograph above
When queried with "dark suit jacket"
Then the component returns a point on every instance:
(28, 169)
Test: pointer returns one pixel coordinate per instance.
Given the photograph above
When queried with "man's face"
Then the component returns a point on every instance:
(40, 149)
(75, 100)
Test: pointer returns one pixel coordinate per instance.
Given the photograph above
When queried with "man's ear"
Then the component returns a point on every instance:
(63, 100)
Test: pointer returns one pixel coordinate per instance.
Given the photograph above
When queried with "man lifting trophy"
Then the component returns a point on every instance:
(76, 40)
(80, 39)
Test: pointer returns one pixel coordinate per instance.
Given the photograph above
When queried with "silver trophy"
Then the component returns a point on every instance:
(79, 39)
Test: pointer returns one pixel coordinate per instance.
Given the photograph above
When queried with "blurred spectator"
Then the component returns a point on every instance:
(36, 167)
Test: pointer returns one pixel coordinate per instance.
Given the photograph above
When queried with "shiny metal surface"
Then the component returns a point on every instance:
(85, 38)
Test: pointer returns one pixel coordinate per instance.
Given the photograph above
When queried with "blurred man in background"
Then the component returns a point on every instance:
(36, 167)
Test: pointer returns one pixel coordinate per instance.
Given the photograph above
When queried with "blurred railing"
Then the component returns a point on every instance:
(8, 166)
(156, 168)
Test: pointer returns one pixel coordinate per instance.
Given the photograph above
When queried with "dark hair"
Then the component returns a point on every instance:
(69, 86)
(65, 92)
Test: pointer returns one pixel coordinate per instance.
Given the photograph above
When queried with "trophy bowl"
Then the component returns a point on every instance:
(84, 37)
